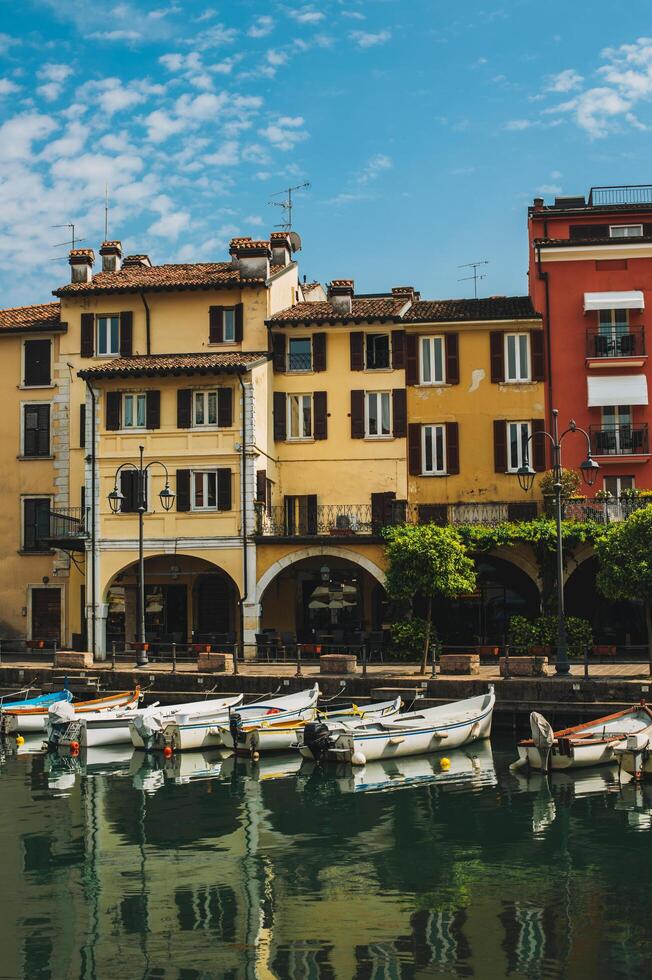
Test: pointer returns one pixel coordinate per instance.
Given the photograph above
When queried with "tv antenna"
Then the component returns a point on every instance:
(73, 240)
(286, 204)
(476, 278)
(106, 212)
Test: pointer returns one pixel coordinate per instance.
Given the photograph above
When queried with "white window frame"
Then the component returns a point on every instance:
(520, 378)
(23, 498)
(23, 406)
(379, 395)
(134, 395)
(204, 394)
(434, 427)
(379, 333)
(523, 449)
(22, 363)
(302, 370)
(430, 342)
(618, 419)
(204, 473)
(228, 325)
(618, 484)
(108, 353)
(302, 437)
(635, 234)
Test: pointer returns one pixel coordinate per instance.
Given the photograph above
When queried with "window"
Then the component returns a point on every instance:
(134, 411)
(616, 436)
(36, 523)
(108, 336)
(378, 420)
(36, 363)
(433, 448)
(625, 231)
(517, 357)
(613, 334)
(432, 361)
(228, 325)
(377, 351)
(299, 416)
(616, 484)
(300, 354)
(518, 449)
(204, 408)
(204, 490)
(36, 430)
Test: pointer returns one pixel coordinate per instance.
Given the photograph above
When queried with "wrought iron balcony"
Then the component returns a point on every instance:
(628, 343)
(619, 440)
(333, 520)
(68, 528)
(624, 194)
(603, 511)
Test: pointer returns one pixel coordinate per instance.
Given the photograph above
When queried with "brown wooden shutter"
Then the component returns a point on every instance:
(319, 352)
(382, 510)
(500, 445)
(452, 342)
(278, 349)
(82, 426)
(588, 231)
(497, 355)
(357, 414)
(356, 341)
(311, 513)
(452, 448)
(320, 403)
(184, 408)
(414, 449)
(239, 322)
(129, 491)
(261, 486)
(536, 354)
(183, 490)
(224, 489)
(398, 349)
(215, 325)
(87, 347)
(126, 333)
(225, 407)
(37, 358)
(280, 418)
(113, 400)
(538, 445)
(399, 406)
(153, 410)
(412, 359)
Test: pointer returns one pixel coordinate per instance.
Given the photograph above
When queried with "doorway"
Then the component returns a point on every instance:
(214, 602)
(166, 613)
(46, 614)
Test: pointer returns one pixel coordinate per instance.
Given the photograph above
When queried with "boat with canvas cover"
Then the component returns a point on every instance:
(262, 735)
(189, 731)
(593, 743)
(147, 725)
(24, 720)
(41, 701)
(437, 729)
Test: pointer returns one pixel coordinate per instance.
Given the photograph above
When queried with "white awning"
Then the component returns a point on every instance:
(618, 389)
(618, 300)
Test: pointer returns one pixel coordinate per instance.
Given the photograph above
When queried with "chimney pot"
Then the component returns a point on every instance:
(281, 248)
(538, 203)
(406, 293)
(111, 253)
(340, 295)
(251, 258)
(81, 264)
(136, 261)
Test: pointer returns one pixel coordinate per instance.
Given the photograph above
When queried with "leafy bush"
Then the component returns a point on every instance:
(408, 638)
(542, 631)
(579, 633)
(521, 632)
(570, 481)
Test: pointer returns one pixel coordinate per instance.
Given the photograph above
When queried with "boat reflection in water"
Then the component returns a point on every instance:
(563, 787)
(636, 799)
(267, 768)
(462, 768)
(63, 767)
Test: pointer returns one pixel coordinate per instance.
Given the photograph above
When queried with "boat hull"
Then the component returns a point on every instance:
(32, 720)
(583, 756)
(146, 730)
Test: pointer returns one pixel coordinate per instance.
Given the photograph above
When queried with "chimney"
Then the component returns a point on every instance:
(281, 248)
(340, 295)
(111, 253)
(538, 204)
(137, 262)
(407, 294)
(250, 258)
(81, 264)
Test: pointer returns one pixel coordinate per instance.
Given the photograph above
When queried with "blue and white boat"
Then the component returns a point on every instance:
(42, 701)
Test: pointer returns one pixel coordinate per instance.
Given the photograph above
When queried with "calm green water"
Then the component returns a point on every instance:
(210, 868)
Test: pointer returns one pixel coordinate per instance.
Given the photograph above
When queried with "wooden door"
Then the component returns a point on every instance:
(46, 614)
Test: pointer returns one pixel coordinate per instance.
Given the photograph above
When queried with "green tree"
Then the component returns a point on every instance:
(625, 555)
(430, 561)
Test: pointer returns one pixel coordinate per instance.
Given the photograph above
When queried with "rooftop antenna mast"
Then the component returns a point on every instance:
(106, 212)
(286, 204)
(73, 240)
(476, 278)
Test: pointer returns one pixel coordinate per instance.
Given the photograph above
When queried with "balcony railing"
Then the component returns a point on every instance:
(619, 440)
(625, 194)
(629, 343)
(68, 528)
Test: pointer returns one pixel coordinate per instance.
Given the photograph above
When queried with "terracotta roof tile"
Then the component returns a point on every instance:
(44, 316)
(159, 278)
(362, 310)
(153, 365)
(458, 310)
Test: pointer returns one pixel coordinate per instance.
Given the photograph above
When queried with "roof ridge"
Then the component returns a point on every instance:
(28, 306)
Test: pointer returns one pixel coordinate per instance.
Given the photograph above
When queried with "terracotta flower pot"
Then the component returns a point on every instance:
(604, 649)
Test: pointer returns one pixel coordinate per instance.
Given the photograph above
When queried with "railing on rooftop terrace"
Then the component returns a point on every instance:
(625, 194)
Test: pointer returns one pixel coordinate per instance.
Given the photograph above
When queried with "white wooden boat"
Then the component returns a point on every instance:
(415, 733)
(262, 735)
(593, 743)
(24, 720)
(146, 726)
(188, 731)
(9, 701)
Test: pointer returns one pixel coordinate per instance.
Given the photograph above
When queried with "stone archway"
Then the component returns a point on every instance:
(317, 551)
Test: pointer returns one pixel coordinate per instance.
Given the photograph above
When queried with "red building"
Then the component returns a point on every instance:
(590, 271)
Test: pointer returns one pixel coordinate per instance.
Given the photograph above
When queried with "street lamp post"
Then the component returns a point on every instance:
(526, 475)
(116, 499)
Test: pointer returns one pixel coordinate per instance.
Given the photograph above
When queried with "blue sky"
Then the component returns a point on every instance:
(424, 127)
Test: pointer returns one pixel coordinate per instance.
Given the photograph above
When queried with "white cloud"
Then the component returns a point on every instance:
(307, 15)
(170, 225)
(70, 144)
(202, 107)
(365, 39)
(261, 27)
(161, 125)
(113, 95)
(276, 58)
(353, 14)
(566, 81)
(17, 135)
(226, 156)
(7, 87)
(550, 189)
(377, 165)
(214, 37)
(54, 73)
(115, 36)
(518, 125)
(285, 133)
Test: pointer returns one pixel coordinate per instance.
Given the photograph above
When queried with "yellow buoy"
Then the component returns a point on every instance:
(444, 763)
(20, 740)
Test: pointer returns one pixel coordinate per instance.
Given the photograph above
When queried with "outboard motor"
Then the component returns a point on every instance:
(235, 726)
(317, 738)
